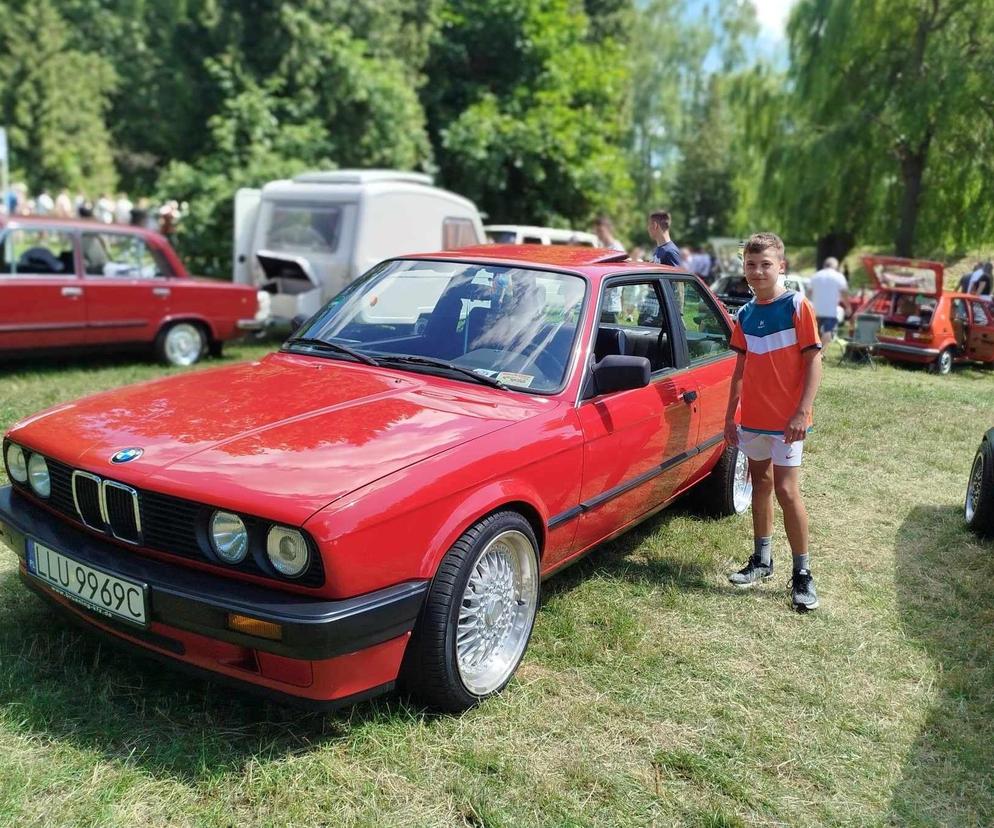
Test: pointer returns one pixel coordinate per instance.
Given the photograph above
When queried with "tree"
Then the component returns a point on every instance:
(527, 115)
(865, 162)
(53, 100)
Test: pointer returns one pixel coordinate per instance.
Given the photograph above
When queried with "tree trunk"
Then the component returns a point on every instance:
(836, 244)
(912, 175)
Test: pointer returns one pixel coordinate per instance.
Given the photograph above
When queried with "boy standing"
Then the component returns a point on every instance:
(666, 251)
(776, 378)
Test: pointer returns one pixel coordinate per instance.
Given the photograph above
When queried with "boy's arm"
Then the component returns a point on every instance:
(735, 392)
(797, 426)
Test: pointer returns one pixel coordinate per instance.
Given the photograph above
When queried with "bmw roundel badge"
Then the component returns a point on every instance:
(127, 455)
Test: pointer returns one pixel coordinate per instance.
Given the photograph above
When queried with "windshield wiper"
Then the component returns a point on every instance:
(406, 359)
(325, 345)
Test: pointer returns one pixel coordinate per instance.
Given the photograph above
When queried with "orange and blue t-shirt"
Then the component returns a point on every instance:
(773, 335)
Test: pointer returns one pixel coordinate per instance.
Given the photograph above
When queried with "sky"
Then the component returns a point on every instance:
(772, 16)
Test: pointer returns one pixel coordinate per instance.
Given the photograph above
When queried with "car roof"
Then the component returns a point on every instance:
(593, 262)
(77, 224)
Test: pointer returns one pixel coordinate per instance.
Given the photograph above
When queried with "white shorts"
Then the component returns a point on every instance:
(766, 446)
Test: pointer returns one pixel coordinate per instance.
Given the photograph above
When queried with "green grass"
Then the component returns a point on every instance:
(652, 694)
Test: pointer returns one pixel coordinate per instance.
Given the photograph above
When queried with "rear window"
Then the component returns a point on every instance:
(458, 232)
(297, 226)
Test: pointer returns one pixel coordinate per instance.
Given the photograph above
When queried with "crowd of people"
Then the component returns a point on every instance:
(107, 208)
(978, 280)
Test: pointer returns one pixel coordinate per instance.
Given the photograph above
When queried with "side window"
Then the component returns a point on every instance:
(458, 232)
(980, 313)
(532, 240)
(35, 251)
(959, 310)
(707, 334)
(632, 324)
(122, 255)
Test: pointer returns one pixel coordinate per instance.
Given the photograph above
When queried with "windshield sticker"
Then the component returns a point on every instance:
(511, 378)
(485, 371)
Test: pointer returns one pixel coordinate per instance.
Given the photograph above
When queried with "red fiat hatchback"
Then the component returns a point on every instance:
(71, 284)
(380, 500)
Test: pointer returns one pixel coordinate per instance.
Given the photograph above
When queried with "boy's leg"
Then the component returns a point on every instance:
(787, 484)
(759, 567)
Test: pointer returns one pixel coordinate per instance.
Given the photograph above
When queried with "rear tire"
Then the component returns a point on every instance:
(181, 344)
(979, 502)
(943, 363)
(728, 489)
(477, 619)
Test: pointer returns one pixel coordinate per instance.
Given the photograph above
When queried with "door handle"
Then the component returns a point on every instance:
(163, 292)
(689, 396)
(72, 292)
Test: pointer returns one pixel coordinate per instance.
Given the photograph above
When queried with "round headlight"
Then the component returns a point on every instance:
(229, 537)
(287, 551)
(17, 464)
(38, 475)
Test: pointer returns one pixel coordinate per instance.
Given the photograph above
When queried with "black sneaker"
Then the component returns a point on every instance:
(802, 591)
(752, 573)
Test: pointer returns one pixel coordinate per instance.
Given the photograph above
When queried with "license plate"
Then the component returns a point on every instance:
(93, 588)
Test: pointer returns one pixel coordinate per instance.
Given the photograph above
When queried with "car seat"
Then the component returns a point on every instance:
(610, 341)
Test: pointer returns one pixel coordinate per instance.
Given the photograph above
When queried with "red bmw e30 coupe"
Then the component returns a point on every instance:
(83, 284)
(380, 500)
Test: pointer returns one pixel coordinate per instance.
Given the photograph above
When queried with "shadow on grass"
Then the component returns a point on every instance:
(620, 559)
(60, 683)
(944, 576)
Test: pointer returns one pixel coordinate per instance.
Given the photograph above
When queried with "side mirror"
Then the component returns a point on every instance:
(620, 373)
(297, 321)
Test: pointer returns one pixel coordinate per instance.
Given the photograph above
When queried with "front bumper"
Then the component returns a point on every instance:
(188, 607)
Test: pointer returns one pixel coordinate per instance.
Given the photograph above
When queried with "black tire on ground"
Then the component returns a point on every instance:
(943, 362)
(979, 501)
(430, 671)
(181, 343)
(715, 494)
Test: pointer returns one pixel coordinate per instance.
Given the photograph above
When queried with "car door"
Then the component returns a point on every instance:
(708, 357)
(40, 292)
(127, 289)
(980, 342)
(634, 440)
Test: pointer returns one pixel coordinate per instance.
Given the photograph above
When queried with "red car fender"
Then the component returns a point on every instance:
(191, 317)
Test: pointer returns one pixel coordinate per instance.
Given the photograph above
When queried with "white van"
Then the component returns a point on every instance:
(334, 226)
(526, 234)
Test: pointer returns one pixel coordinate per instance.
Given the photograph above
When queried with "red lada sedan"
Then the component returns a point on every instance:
(380, 500)
(72, 284)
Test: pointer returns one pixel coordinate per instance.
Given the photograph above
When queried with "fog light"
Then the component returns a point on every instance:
(229, 537)
(38, 474)
(255, 626)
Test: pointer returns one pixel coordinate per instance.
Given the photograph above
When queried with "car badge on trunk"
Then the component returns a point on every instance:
(127, 455)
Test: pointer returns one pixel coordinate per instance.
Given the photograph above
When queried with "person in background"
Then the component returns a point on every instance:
(966, 278)
(604, 230)
(63, 205)
(122, 209)
(45, 204)
(666, 251)
(104, 209)
(637, 254)
(687, 259)
(828, 288)
(982, 286)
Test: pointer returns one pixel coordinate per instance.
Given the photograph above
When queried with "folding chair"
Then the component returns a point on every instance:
(863, 345)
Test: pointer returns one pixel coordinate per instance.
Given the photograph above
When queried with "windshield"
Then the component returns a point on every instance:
(511, 324)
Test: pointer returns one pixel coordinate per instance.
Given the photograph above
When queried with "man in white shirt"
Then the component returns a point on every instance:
(828, 288)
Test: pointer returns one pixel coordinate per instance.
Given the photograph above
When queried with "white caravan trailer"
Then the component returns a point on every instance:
(334, 226)
(526, 234)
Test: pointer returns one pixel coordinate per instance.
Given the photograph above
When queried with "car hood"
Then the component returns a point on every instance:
(280, 438)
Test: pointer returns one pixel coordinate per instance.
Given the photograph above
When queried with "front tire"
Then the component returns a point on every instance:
(181, 344)
(978, 507)
(728, 489)
(477, 619)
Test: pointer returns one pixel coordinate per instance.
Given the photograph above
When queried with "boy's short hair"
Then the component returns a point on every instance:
(758, 242)
(660, 217)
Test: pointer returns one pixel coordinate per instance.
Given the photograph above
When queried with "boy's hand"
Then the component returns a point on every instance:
(797, 428)
(731, 433)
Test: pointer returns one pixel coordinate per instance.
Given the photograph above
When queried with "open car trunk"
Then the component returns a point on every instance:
(907, 294)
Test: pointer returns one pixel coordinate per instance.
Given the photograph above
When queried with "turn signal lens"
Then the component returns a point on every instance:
(287, 551)
(254, 626)
(17, 463)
